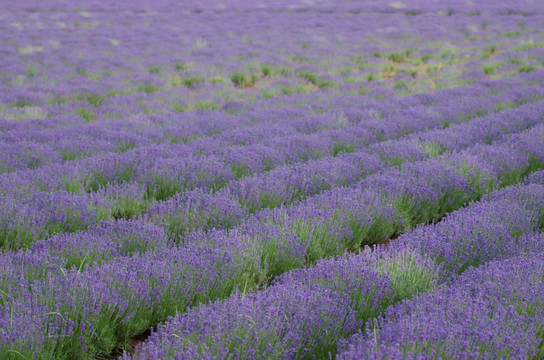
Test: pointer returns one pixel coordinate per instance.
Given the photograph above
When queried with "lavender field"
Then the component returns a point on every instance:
(271, 179)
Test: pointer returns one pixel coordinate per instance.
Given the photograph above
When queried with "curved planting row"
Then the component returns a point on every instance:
(181, 127)
(495, 311)
(269, 146)
(286, 184)
(89, 310)
(31, 148)
(485, 312)
(42, 213)
(91, 173)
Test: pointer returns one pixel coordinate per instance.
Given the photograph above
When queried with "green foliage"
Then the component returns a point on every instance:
(325, 83)
(525, 68)
(32, 71)
(95, 99)
(512, 33)
(371, 77)
(399, 56)
(239, 170)
(179, 106)
(206, 105)
(531, 46)
(308, 75)
(239, 78)
(433, 149)
(126, 208)
(392, 161)
(400, 85)
(408, 276)
(181, 66)
(410, 72)
(342, 148)
(254, 77)
(70, 155)
(154, 69)
(266, 70)
(16, 237)
(268, 93)
(148, 88)
(191, 80)
(53, 99)
(87, 115)
(125, 146)
(161, 188)
(289, 89)
(72, 186)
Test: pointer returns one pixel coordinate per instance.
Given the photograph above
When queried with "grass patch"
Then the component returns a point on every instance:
(239, 79)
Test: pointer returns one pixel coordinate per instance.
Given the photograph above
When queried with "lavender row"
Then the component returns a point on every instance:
(283, 115)
(466, 9)
(181, 166)
(341, 214)
(129, 166)
(24, 221)
(495, 311)
(285, 184)
(351, 134)
(198, 210)
(33, 148)
(99, 61)
(306, 311)
(160, 171)
(120, 298)
(300, 318)
(88, 310)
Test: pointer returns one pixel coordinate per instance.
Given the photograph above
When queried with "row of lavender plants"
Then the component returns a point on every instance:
(42, 213)
(90, 88)
(492, 312)
(287, 184)
(449, 106)
(56, 146)
(24, 145)
(88, 310)
(207, 211)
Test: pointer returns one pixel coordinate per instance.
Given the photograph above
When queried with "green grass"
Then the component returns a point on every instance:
(148, 88)
(526, 68)
(154, 69)
(308, 75)
(191, 81)
(491, 69)
(126, 208)
(239, 79)
(86, 114)
(433, 149)
(408, 276)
